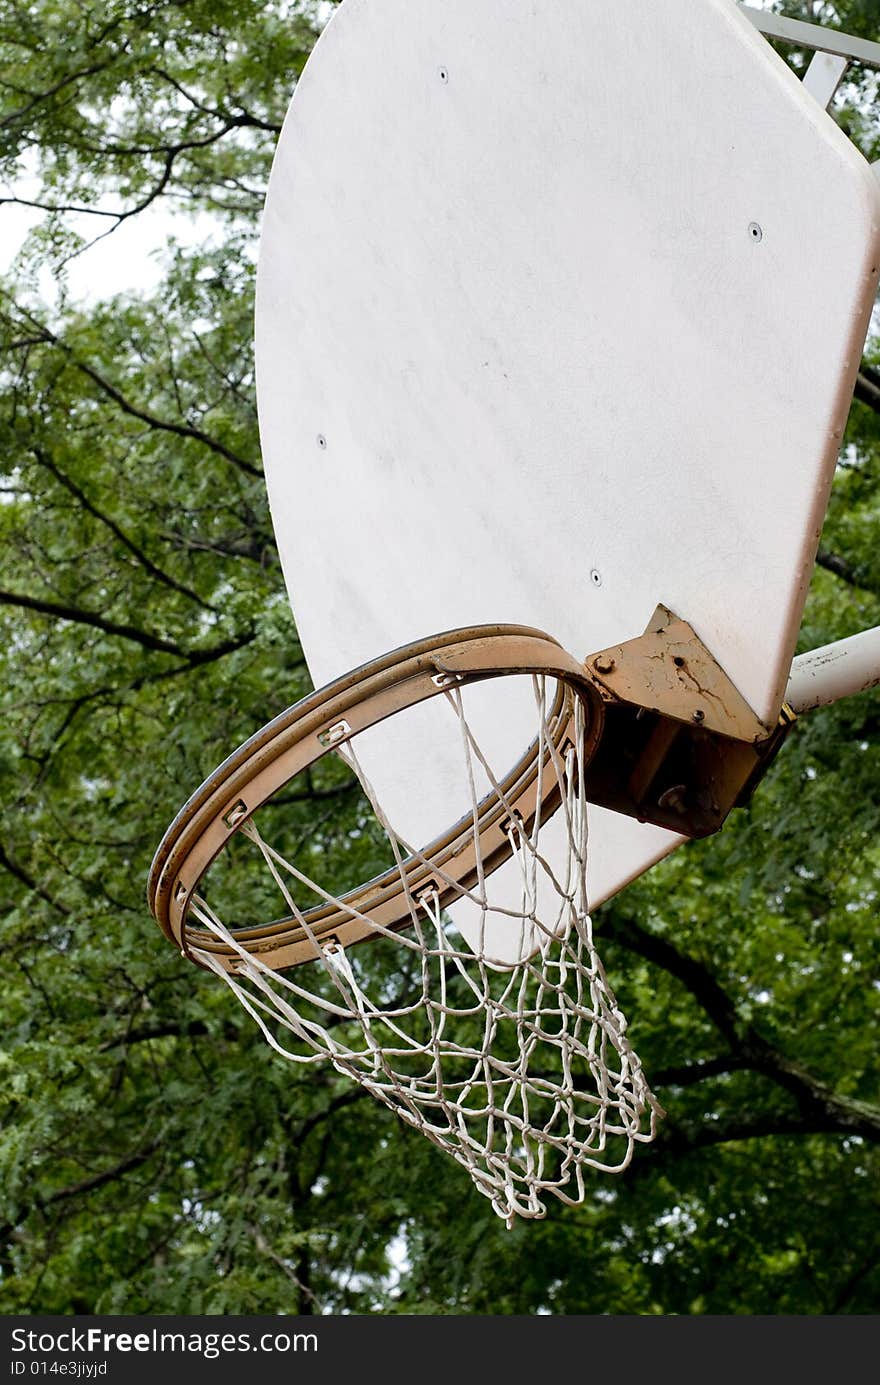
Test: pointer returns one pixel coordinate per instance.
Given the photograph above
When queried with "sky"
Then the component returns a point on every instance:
(129, 259)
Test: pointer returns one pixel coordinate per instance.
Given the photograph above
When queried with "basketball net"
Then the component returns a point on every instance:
(522, 1073)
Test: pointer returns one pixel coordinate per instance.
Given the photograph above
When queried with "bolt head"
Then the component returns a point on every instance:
(603, 664)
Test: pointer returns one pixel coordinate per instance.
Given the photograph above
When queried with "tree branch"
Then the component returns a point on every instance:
(86, 1185)
(692, 974)
(313, 795)
(191, 1029)
(81, 617)
(78, 616)
(57, 207)
(243, 121)
(254, 548)
(40, 96)
(689, 1073)
(833, 562)
(180, 430)
(819, 1107)
(22, 876)
(867, 388)
(346, 1098)
(138, 553)
(685, 1139)
(286, 1269)
(846, 1291)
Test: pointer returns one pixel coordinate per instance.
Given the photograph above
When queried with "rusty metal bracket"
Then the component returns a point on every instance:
(680, 747)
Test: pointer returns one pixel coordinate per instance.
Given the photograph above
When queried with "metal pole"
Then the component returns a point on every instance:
(834, 671)
(814, 36)
(824, 76)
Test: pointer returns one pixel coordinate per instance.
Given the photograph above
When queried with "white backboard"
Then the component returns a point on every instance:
(560, 306)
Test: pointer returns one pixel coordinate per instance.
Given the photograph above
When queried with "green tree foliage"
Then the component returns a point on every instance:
(154, 1155)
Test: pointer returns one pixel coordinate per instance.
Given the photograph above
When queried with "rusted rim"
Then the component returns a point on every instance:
(328, 718)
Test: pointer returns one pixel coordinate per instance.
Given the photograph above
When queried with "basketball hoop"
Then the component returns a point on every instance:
(455, 354)
(520, 1070)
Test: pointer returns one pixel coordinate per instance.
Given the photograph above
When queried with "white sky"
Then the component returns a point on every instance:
(129, 259)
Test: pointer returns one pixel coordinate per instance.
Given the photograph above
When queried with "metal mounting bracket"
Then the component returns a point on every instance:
(680, 746)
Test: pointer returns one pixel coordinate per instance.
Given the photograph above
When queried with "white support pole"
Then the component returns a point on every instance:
(814, 36)
(824, 76)
(834, 671)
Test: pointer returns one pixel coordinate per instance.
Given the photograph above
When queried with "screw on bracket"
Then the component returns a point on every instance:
(604, 664)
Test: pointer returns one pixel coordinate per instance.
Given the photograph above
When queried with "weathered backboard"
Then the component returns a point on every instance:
(560, 306)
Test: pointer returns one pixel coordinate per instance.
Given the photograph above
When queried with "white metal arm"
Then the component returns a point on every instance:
(815, 37)
(836, 670)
